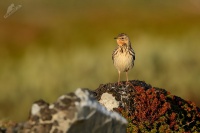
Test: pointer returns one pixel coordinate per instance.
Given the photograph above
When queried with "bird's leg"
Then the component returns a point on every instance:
(118, 77)
(127, 78)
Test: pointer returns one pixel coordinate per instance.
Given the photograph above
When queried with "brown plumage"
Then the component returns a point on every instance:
(123, 56)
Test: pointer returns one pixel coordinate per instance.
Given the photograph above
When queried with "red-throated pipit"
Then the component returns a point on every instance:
(123, 56)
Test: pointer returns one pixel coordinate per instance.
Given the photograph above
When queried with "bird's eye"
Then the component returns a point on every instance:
(122, 38)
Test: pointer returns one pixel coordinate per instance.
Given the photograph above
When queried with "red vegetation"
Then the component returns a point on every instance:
(151, 109)
(150, 104)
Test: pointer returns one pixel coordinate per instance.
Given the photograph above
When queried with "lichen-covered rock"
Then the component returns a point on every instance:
(150, 109)
(146, 108)
(76, 112)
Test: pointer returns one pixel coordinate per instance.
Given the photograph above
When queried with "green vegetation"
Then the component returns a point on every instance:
(49, 48)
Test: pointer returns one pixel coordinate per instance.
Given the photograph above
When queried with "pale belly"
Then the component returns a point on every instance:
(124, 62)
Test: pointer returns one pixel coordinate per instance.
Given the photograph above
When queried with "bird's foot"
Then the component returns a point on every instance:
(120, 84)
(128, 83)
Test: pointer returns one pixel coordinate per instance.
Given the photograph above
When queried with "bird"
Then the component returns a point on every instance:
(123, 56)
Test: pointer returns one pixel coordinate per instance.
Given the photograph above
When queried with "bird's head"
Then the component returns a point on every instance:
(122, 39)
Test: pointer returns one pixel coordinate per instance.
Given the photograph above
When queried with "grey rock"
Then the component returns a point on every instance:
(76, 112)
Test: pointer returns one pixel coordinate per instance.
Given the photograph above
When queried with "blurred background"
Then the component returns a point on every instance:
(48, 48)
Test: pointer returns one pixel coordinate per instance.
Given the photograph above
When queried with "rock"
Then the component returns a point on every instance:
(76, 112)
(109, 101)
(149, 109)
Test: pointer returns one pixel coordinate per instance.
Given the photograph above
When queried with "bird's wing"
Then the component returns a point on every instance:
(114, 53)
(131, 51)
